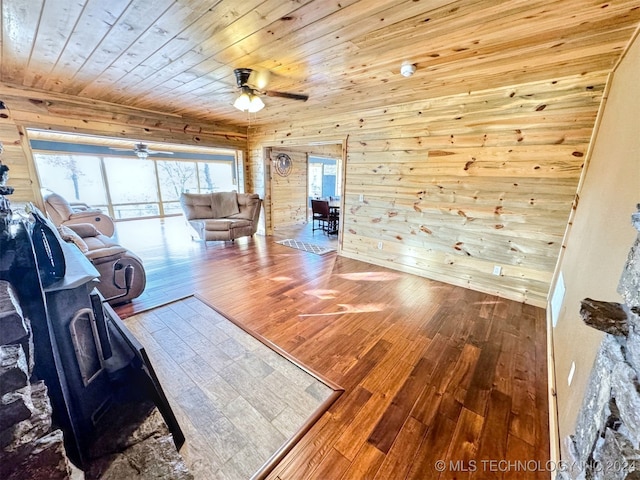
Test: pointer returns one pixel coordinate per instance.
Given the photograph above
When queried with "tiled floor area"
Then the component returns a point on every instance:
(246, 399)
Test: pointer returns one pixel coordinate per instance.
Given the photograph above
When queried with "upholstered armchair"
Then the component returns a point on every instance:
(61, 212)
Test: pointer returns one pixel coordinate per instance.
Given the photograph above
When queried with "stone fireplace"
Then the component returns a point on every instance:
(606, 441)
(31, 448)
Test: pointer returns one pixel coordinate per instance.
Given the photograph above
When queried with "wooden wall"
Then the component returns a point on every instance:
(456, 185)
(15, 157)
(452, 186)
(30, 109)
(289, 194)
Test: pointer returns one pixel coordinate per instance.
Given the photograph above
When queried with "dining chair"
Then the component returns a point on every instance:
(320, 212)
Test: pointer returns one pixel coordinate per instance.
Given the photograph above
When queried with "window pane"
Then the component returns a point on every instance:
(175, 178)
(315, 180)
(136, 211)
(216, 177)
(172, 208)
(131, 181)
(77, 178)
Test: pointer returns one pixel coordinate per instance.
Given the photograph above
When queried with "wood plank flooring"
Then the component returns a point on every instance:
(431, 372)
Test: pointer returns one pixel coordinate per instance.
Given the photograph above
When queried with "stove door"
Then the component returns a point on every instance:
(84, 336)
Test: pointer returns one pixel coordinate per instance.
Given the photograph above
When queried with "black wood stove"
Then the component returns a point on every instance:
(91, 363)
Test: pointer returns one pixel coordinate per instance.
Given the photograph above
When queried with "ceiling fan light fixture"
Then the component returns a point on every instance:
(251, 89)
(248, 101)
(256, 104)
(142, 150)
(243, 101)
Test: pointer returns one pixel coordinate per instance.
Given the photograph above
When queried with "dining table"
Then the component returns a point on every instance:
(334, 213)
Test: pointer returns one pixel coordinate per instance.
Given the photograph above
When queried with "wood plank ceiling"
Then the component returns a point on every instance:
(178, 56)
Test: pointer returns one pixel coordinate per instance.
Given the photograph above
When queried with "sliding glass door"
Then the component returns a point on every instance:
(128, 187)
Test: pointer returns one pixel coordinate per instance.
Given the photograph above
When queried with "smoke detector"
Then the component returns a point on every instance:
(407, 69)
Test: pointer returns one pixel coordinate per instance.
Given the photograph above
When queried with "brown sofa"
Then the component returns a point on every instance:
(109, 258)
(222, 215)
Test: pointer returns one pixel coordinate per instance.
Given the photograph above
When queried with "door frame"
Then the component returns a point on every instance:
(309, 148)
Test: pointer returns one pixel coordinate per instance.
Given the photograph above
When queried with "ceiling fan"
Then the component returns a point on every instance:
(251, 84)
(142, 150)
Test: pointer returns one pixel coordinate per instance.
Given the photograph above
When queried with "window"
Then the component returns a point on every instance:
(216, 177)
(323, 177)
(176, 178)
(125, 186)
(133, 187)
(78, 178)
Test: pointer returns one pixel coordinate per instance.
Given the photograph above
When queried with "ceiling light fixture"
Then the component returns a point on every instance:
(248, 101)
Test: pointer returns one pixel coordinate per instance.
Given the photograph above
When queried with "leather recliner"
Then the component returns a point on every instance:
(110, 259)
(222, 216)
(61, 212)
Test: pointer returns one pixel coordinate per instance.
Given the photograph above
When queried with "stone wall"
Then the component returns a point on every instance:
(30, 449)
(606, 442)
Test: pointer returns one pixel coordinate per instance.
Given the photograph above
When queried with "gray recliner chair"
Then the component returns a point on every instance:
(61, 212)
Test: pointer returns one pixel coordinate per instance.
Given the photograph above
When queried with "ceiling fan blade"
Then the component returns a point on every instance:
(292, 96)
(155, 152)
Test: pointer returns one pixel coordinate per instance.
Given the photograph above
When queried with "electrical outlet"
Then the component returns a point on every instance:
(497, 270)
(379, 245)
(361, 197)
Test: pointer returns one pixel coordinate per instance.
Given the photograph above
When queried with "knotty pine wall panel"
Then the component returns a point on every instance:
(14, 157)
(456, 185)
(289, 194)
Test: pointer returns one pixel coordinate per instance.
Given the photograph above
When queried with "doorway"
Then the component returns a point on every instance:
(287, 198)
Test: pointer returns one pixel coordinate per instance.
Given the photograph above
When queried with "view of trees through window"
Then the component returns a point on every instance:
(126, 187)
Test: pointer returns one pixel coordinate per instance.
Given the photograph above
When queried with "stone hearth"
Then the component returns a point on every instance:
(30, 448)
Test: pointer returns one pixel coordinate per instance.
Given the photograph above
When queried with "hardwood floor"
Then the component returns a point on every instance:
(430, 371)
